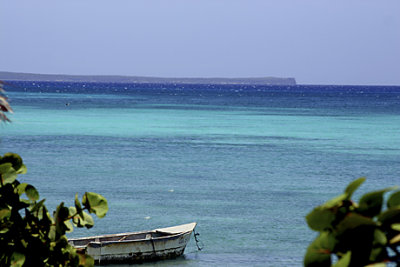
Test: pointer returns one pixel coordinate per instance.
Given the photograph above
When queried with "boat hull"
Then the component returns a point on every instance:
(161, 244)
(139, 251)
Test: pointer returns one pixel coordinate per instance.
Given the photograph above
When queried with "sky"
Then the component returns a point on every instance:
(314, 41)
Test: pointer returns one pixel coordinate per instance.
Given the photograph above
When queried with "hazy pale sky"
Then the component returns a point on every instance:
(314, 41)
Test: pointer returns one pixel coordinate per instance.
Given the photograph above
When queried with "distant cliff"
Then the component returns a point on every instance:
(139, 79)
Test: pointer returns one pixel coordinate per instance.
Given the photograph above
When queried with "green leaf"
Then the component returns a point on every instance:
(17, 259)
(379, 264)
(72, 211)
(52, 233)
(87, 220)
(320, 219)
(37, 206)
(396, 226)
(355, 233)
(352, 187)
(81, 220)
(45, 215)
(21, 188)
(5, 213)
(7, 173)
(4, 230)
(78, 205)
(69, 226)
(378, 254)
(25, 201)
(61, 215)
(31, 192)
(22, 170)
(85, 260)
(14, 159)
(371, 203)
(344, 261)
(390, 216)
(319, 252)
(335, 202)
(379, 238)
(63, 242)
(353, 221)
(394, 200)
(395, 240)
(95, 203)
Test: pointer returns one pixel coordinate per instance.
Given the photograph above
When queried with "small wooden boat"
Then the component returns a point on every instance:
(137, 247)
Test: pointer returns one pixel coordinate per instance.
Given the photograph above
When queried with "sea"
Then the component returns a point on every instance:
(247, 163)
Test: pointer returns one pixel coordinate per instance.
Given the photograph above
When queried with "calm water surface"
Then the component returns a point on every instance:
(246, 163)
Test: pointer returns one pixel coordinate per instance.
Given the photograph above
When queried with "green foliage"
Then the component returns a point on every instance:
(95, 203)
(358, 234)
(29, 235)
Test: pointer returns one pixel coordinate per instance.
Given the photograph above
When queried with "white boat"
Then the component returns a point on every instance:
(137, 247)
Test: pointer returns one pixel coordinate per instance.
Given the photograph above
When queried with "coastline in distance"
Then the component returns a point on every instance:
(16, 76)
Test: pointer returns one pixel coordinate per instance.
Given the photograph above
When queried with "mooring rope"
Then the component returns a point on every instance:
(197, 240)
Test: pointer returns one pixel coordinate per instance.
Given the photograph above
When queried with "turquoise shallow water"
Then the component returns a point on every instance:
(246, 163)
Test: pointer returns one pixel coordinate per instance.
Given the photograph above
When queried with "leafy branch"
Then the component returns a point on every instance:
(359, 234)
(29, 236)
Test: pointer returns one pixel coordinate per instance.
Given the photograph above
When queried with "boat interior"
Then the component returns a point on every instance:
(127, 237)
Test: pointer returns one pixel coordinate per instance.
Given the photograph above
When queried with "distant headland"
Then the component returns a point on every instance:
(15, 76)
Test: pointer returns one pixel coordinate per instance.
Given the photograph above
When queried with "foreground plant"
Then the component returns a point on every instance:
(358, 234)
(29, 235)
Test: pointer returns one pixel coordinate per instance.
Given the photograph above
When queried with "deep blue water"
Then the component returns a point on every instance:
(246, 162)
